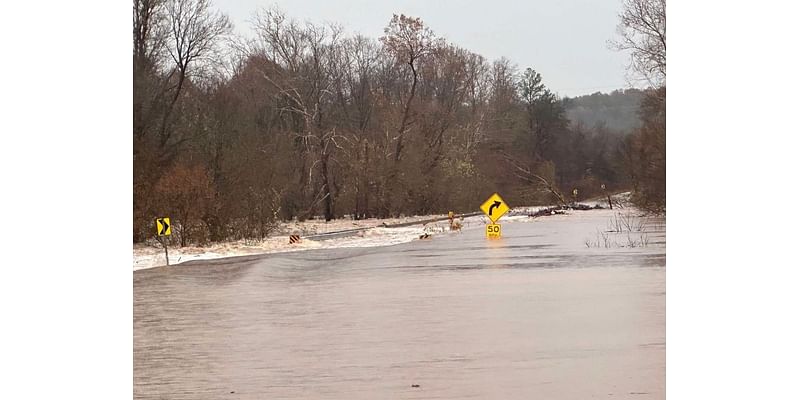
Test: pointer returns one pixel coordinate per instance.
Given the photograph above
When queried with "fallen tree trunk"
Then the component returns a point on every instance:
(561, 209)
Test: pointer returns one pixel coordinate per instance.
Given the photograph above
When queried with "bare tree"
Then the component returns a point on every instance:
(477, 95)
(305, 78)
(194, 32)
(149, 33)
(503, 88)
(543, 176)
(149, 41)
(446, 91)
(409, 40)
(356, 60)
(643, 31)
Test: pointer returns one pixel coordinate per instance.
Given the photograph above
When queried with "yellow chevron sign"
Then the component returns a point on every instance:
(163, 228)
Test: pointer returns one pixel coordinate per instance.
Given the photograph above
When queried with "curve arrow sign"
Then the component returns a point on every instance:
(493, 206)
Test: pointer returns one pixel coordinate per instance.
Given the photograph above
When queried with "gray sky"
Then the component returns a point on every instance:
(564, 40)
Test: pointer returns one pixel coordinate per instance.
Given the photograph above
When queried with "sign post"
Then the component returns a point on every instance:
(494, 207)
(163, 228)
(608, 196)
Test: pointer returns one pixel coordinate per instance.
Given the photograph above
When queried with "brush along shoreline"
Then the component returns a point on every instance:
(342, 233)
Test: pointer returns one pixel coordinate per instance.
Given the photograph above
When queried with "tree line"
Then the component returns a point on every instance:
(231, 135)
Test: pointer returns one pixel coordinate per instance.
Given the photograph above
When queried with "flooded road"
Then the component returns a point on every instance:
(541, 313)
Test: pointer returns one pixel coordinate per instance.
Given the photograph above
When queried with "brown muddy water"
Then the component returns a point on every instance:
(551, 311)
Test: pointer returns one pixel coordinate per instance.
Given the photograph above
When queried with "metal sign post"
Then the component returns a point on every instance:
(166, 252)
(608, 196)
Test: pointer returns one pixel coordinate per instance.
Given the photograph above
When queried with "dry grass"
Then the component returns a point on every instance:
(626, 222)
(605, 240)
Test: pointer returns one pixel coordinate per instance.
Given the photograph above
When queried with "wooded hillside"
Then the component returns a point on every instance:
(308, 120)
(618, 111)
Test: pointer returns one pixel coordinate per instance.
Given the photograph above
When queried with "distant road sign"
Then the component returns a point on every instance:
(163, 228)
(494, 207)
(493, 231)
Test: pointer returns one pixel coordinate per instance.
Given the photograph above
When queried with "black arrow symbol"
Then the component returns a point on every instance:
(491, 208)
(164, 226)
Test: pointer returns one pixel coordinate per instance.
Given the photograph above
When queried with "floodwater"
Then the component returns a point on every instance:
(538, 314)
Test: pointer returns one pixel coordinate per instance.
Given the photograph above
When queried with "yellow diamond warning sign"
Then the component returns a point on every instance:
(494, 207)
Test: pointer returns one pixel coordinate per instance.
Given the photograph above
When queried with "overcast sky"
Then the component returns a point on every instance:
(564, 40)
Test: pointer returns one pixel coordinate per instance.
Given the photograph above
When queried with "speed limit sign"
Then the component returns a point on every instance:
(493, 231)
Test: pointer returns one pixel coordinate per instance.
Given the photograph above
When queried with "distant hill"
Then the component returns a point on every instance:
(618, 110)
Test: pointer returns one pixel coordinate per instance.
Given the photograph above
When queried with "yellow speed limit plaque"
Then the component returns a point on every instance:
(493, 231)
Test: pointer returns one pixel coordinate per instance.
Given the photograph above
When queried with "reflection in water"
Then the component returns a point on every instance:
(533, 315)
